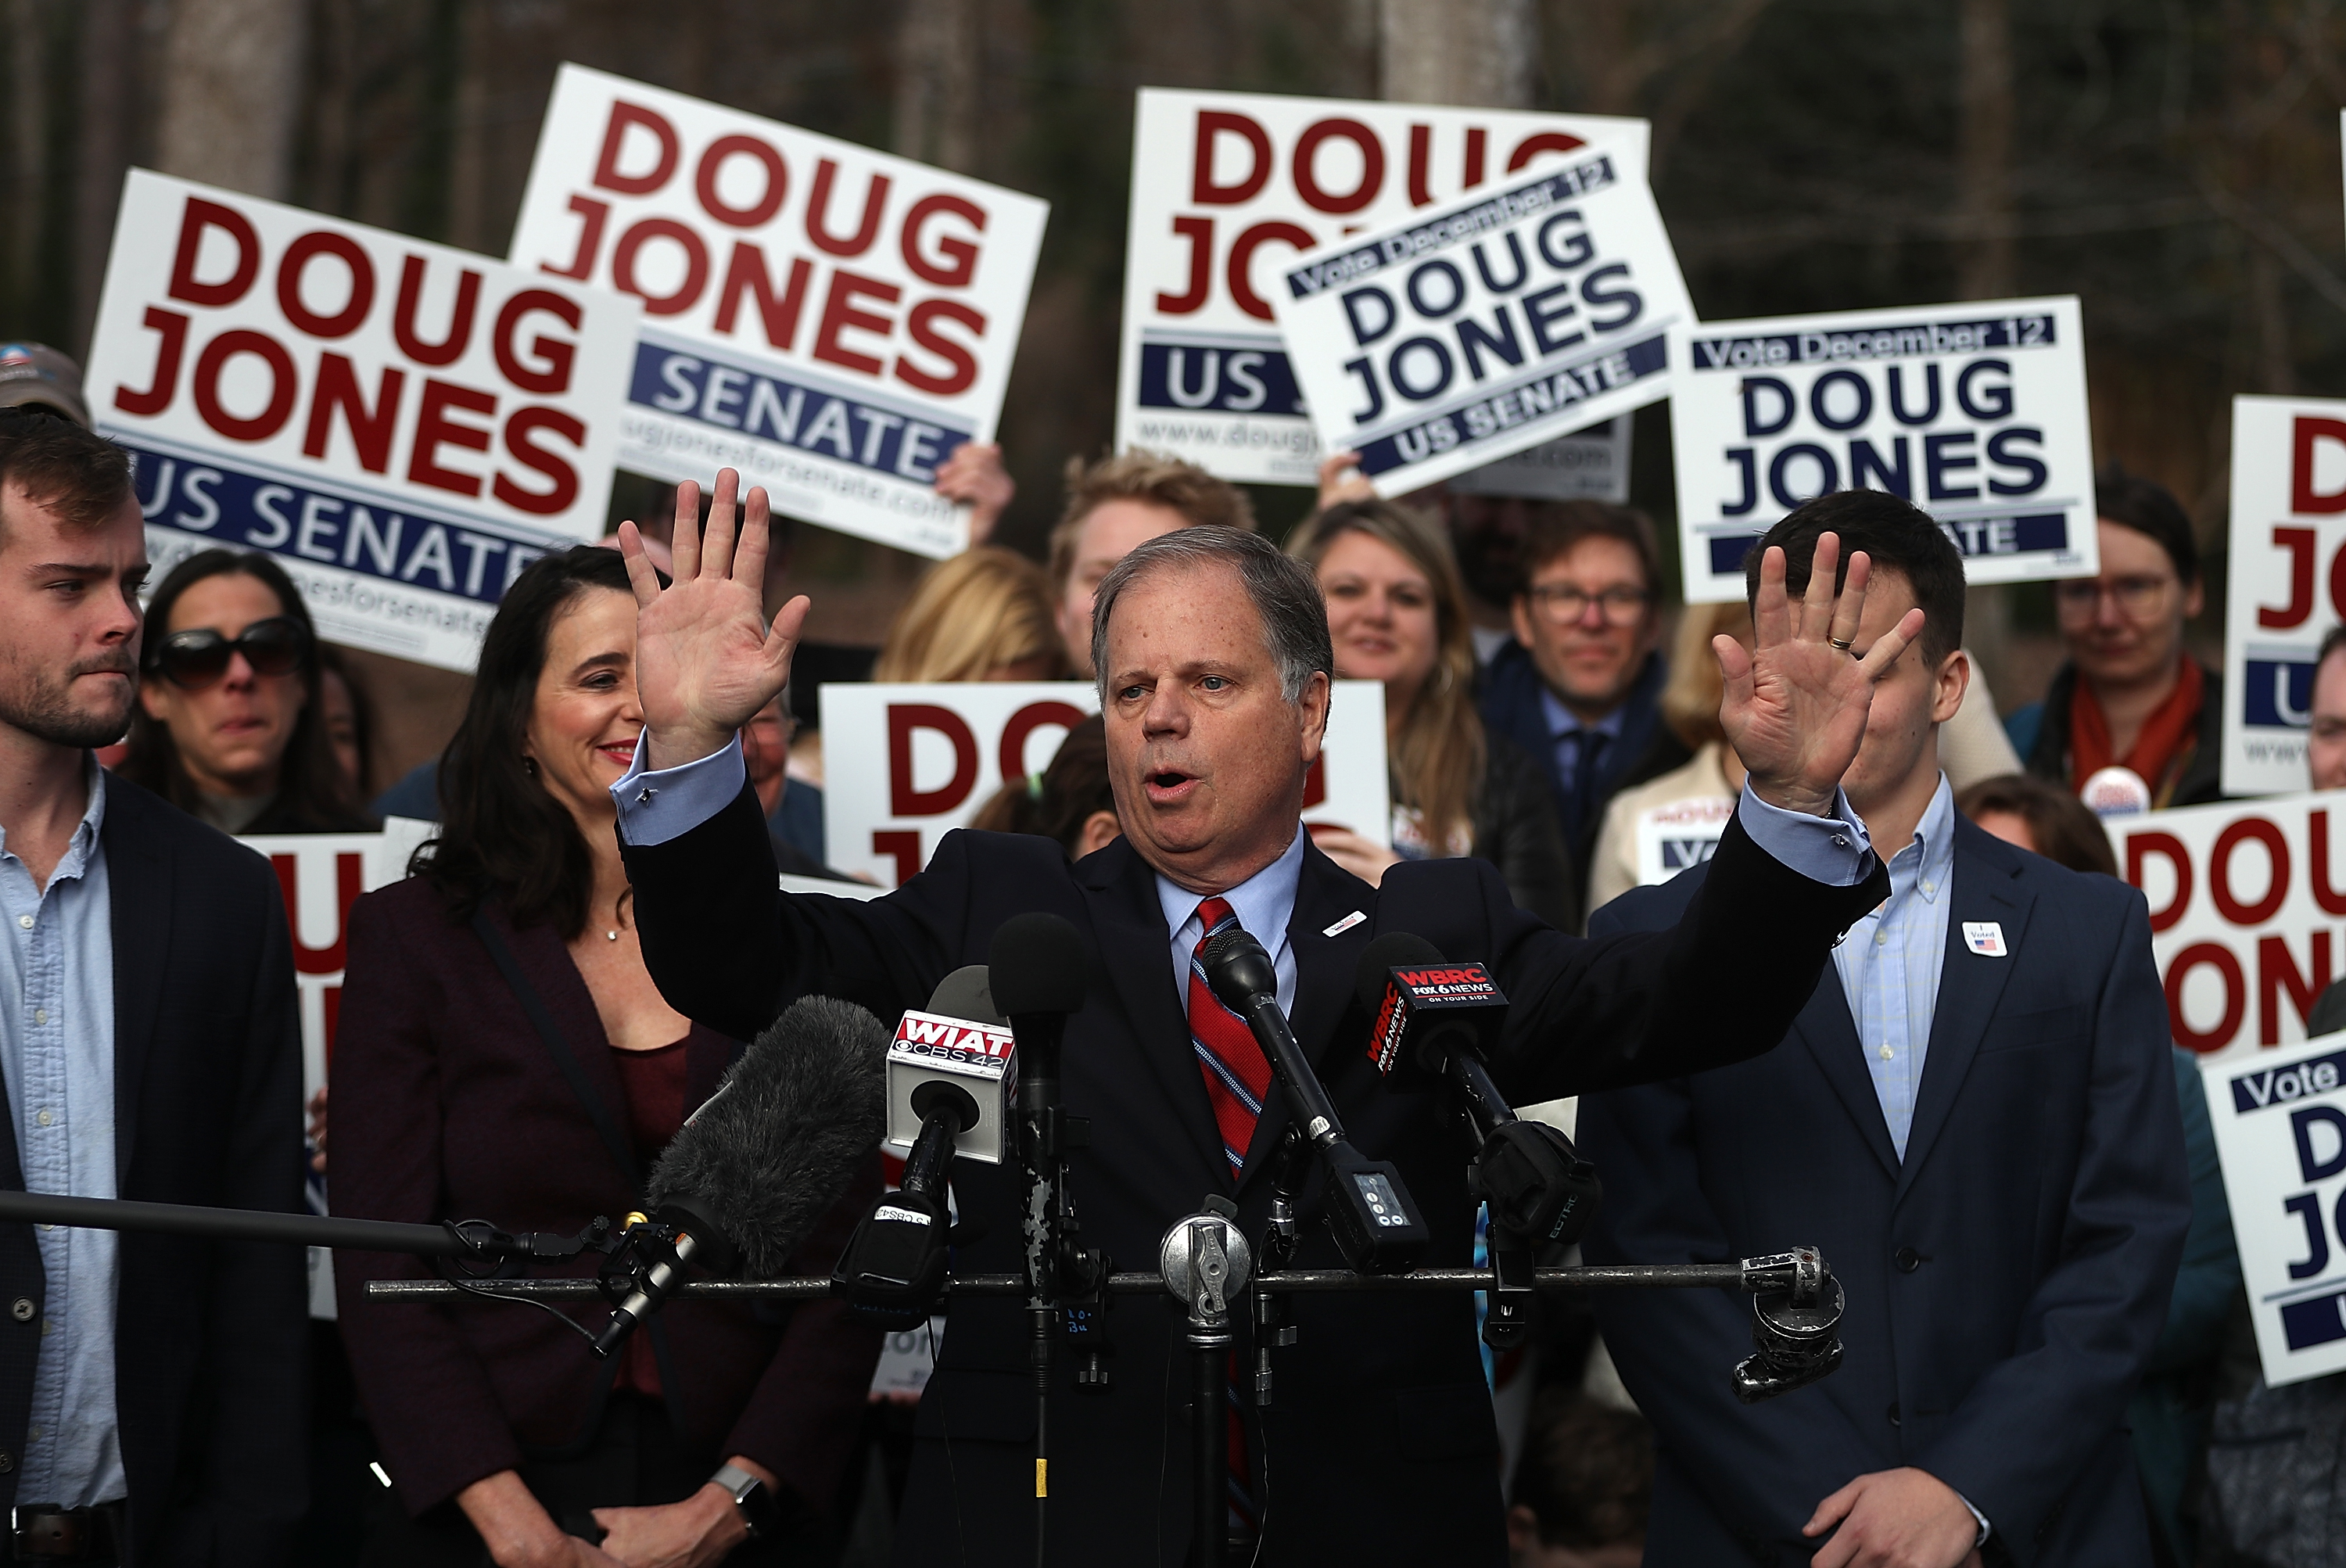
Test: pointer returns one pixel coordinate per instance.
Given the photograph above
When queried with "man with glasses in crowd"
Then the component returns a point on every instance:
(2130, 695)
(1579, 687)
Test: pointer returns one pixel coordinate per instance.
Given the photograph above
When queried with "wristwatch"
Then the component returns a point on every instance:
(753, 1497)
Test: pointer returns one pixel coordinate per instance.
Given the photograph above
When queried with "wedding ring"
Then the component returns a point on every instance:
(1840, 643)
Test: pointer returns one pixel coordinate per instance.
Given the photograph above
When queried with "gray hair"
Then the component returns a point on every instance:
(1286, 594)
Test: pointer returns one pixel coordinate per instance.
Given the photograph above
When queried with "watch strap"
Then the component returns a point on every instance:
(753, 1497)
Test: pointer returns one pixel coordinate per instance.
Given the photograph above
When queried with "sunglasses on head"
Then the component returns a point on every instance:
(197, 657)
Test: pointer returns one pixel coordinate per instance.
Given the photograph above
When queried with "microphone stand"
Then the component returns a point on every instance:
(1205, 1261)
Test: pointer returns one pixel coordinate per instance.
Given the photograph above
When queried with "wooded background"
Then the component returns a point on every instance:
(2174, 162)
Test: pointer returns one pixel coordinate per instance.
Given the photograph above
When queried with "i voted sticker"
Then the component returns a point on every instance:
(1984, 937)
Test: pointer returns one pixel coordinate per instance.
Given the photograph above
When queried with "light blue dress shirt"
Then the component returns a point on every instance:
(57, 977)
(1891, 960)
(656, 807)
(1264, 904)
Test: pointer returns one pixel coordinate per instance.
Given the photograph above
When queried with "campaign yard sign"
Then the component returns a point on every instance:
(403, 426)
(2248, 912)
(832, 321)
(2280, 1135)
(1227, 187)
(1479, 328)
(1975, 413)
(2287, 583)
(905, 764)
(1679, 835)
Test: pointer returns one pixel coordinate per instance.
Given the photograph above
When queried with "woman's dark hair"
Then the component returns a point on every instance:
(2148, 507)
(2066, 829)
(502, 836)
(312, 797)
(1057, 803)
(363, 714)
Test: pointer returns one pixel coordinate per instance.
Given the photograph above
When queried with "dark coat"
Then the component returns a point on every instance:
(2005, 1283)
(2047, 755)
(212, 1339)
(1648, 748)
(1516, 829)
(1381, 1447)
(449, 1105)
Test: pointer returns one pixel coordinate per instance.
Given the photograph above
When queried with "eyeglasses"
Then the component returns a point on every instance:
(1565, 604)
(2138, 597)
(197, 657)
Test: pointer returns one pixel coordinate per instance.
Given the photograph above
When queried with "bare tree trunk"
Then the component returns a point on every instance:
(1479, 52)
(1986, 266)
(938, 60)
(232, 87)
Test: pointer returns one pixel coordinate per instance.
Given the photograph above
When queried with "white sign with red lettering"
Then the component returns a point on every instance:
(1227, 189)
(905, 764)
(2247, 911)
(403, 426)
(322, 875)
(2286, 587)
(829, 319)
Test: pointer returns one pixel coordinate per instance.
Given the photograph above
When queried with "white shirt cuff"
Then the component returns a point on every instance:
(1833, 849)
(655, 807)
(1984, 1526)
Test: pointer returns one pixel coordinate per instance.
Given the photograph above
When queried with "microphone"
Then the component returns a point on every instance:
(755, 1169)
(951, 1074)
(1435, 1018)
(1376, 1222)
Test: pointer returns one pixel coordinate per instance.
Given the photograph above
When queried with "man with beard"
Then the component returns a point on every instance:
(151, 1398)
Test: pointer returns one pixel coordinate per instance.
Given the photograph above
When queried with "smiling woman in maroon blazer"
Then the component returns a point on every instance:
(488, 1000)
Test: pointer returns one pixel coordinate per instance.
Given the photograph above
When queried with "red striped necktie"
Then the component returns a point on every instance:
(1237, 1075)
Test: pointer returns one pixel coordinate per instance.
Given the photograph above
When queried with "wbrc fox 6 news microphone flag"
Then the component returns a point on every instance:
(1227, 189)
(1975, 413)
(2279, 1119)
(2286, 587)
(831, 321)
(905, 764)
(403, 426)
(1485, 326)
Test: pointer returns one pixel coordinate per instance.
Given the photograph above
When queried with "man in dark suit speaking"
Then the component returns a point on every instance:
(1214, 662)
(1974, 1117)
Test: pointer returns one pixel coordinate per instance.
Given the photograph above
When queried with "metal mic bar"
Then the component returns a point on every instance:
(236, 1225)
(1585, 1276)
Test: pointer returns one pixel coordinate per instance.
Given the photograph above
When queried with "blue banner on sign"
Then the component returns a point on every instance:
(2279, 693)
(2306, 1324)
(1206, 378)
(770, 406)
(1488, 420)
(226, 505)
(2028, 533)
(2285, 1085)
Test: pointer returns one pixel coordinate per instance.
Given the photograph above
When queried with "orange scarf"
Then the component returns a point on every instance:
(2161, 752)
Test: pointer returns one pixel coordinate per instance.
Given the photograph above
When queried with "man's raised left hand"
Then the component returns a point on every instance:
(1895, 1519)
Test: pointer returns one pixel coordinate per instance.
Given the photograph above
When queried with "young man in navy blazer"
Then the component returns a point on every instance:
(1974, 1117)
(1214, 662)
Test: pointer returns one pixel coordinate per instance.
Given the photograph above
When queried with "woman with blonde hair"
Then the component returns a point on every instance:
(1397, 615)
(984, 615)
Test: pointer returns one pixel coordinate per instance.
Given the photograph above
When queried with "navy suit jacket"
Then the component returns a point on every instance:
(1379, 1447)
(2006, 1282)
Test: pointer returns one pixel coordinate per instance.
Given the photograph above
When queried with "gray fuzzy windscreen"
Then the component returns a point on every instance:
(772, 1149)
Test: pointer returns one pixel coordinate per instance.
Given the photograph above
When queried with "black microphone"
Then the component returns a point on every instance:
(951, 1073)
(1435, 1018)
(1376, 1220)
(756, 1167)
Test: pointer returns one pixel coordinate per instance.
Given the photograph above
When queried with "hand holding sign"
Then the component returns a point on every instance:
(1796, 705)
(706, 661)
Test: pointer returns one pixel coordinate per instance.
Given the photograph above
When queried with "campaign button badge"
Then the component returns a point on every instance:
(1346, 923)
(1984, 937)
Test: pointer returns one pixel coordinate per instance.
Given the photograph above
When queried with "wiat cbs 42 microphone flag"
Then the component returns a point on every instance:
(831, 321)
(1975, 413)
(1488, 325)
(403, 425)
(1227, 187)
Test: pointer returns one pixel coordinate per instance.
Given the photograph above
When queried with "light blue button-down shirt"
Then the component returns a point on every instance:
(1264, 904)
(1891, 960)
(56, 980)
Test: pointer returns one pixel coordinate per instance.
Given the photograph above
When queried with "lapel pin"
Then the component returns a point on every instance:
(1984, 937)
(1346, 923)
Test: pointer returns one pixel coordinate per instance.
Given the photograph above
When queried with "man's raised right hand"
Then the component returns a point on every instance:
(706, 661)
